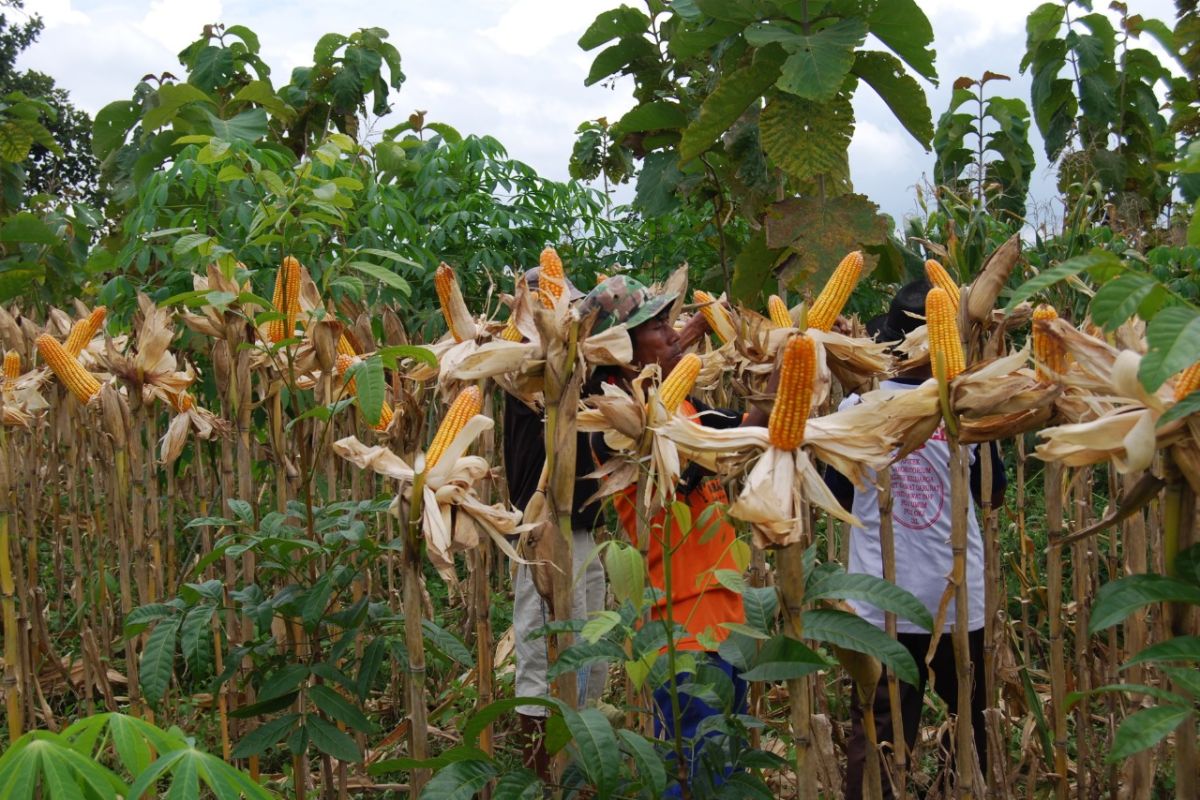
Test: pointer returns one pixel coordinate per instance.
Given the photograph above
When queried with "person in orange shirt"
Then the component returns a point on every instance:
(690, 595)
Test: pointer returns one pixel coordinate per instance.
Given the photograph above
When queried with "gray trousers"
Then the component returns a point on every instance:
(531, 612)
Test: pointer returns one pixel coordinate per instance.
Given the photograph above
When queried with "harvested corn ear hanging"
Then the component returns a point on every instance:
(945, 344)
(286, 300)
(680, 382)
(465, 406)
(938, 276)
(779, 312)
(1048, 352)
(833, 297)
(78, 380)
(83, 331)
(793, 400)
(717, 315)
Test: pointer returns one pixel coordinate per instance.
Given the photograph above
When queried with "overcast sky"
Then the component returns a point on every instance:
(509, 68)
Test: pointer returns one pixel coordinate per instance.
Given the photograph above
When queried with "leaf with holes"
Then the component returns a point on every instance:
(807, 139)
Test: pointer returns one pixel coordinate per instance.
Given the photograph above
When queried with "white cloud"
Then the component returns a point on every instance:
(530, 27)
(56, 12)
(177, 23)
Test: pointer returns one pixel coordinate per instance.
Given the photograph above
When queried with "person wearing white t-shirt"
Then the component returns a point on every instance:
(921, 524)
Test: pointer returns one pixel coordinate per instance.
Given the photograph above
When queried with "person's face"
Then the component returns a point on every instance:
(656, 342)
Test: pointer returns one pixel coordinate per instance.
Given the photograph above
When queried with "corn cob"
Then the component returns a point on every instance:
(78, 380)
(679, 382)
(944, 339)
(344, 348)
(344, 362)
(833, 297)
(1187, 382)
(718, 318)
(938, 276)
(1048, 353)
(286, 300)
(462, 410)
(444, 281)
(182, 402)
(12, 365)
(510, 332)
(793, 399)
(779, 312)
(553, 278)
(83, 331)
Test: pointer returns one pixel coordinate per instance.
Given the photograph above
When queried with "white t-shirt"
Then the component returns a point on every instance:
(921, 525)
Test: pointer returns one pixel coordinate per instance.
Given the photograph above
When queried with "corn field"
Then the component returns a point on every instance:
(196, 533)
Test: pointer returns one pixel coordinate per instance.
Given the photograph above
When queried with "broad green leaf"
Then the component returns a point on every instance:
(855, 633)
(26, 227)
(619, 58)
(1146, 728)
(339, 708)
(171, 98)
(807, 139)
(185, 782)
(158, 661)
(519, 784)
(248, 126)
(1060, 272)
(1179, 648)
(392, 354)
(818, 63)
(820, 234)
(384, 275)
(1173, 339)
(16, 139)
(732, 96)
(870, 589)
(626, 571)
(372, 388)
(196, 640)
(461, 780)
(266, 735)
(784, 658)
(595, 742)
(652, 116)
(447, 643)
(599, 625)
(903, 95)
(615, 23)
(745, 630)
(583, 654)
(752, 270)
(1118, 599)
(650, 770)
(903, 27)
(1118, 300)
(761, 603)
(112, 125)
(328, 739)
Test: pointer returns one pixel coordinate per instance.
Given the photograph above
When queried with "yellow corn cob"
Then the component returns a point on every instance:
(286, 300)
(679, 382)
(81, 382)
(938, 276)
(1048, 353)
(833, 297)
(344, 348)
(793, 399)
(1187, 382)
(553, 279)
(12, 365)
(83, 331)
(510, 332)
(779, 312)
(718, 318)
(443, 280)
(944, 339)
(182, 402)
(344, 362)
(462, 410)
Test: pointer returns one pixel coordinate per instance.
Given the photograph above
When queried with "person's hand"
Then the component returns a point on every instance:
(843, 326)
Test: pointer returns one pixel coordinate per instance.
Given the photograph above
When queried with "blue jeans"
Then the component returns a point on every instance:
(693, 711)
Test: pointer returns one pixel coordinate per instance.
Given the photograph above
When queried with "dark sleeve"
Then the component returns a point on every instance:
(716, 417)
(999, 478)
(841, 487)
(524, 450)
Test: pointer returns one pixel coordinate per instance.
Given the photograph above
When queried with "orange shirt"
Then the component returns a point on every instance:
(700, 603)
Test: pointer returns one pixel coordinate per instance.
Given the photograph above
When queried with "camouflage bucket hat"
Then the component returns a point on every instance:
(622, 300)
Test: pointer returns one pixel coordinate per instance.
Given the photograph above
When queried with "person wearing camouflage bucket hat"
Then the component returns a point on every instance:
(622, 300)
